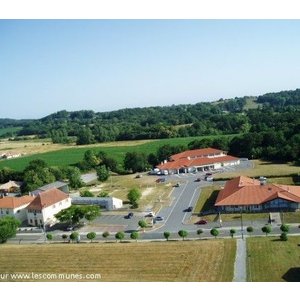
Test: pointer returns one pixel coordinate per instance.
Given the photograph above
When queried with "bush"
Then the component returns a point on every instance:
(284, 228)
(284, 236)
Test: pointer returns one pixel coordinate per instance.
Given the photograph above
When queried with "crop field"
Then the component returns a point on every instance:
(69, 155)
(272, 260)
(189, 261)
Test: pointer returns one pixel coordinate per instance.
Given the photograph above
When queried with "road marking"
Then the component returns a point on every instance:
(182, 221)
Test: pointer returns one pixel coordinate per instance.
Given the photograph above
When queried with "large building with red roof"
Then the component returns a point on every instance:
(206, 159)
(247, 194)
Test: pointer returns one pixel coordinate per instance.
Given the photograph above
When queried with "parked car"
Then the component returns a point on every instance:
(129, 216)
(158, 219)
(208, 174)
(70, 228)
(177, 185)
(198, 179)
(201, 222)
(139, 176)
(150, 214)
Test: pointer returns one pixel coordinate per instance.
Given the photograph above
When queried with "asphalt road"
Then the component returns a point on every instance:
(175, 217)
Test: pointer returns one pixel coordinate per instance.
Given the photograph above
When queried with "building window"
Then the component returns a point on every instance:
(31, 221)
(7, 212)
(18, 211)
(53, 206)
(41, 222)
(60, 203)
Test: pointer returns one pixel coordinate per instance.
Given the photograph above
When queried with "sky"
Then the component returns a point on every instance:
(104, 65)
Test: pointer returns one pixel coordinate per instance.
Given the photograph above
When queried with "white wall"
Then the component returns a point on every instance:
(19, 212)
(47, 214)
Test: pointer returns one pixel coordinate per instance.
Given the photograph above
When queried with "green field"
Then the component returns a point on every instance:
(11, 130)
(271, 260)
(73, 155)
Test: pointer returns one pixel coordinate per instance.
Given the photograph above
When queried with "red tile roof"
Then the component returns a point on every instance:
(196, 153)
(247, 191)
(47, 198)
(15, 202)
(203, 161)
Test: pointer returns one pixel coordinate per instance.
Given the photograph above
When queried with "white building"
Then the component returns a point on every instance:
(15, 207)
(45, 205)
(109, 203)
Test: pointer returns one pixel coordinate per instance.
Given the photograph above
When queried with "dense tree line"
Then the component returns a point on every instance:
(270, 131)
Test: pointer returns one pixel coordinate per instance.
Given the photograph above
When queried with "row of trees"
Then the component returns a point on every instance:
(182, 233)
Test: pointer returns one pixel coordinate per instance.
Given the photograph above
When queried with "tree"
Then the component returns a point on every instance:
(91, 159)
(199, 231)
(214, 232)
(86, 193)
(285, 228)
(91, 236)
(266, 229)
(284, 236)
(105, 234)
(167, 235)
(91, 212)
(74, 236)
(135, 162)
(183, 234)
(102, 173)
(64, 237)
(143, 224)
(134, 196)
(250, 229)
(134, 235)
(74, 176)
(232, 232)
(8, 228)
(120, 235)
(75, 213)
(85, 136)
(49, 236)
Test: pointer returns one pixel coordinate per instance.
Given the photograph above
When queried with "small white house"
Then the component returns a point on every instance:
(45, 205)
(15, 207)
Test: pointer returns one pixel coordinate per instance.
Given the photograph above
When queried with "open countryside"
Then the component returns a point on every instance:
(73, 154)
(150, 151)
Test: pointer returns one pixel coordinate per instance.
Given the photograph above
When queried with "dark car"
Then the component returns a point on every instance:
(208, 174)
(129, 216)
(198, 179)
(177, 185)
(158, 219)
(189, 209)
(201, 222)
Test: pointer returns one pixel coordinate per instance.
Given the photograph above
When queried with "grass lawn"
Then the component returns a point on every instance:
(158, 261)
(207, 198)
(290, 217)
(271, 260)
(263, 168)
(153, 194)
(68, 155)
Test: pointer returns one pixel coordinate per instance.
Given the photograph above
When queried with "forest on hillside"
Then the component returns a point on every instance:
(269, 130)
